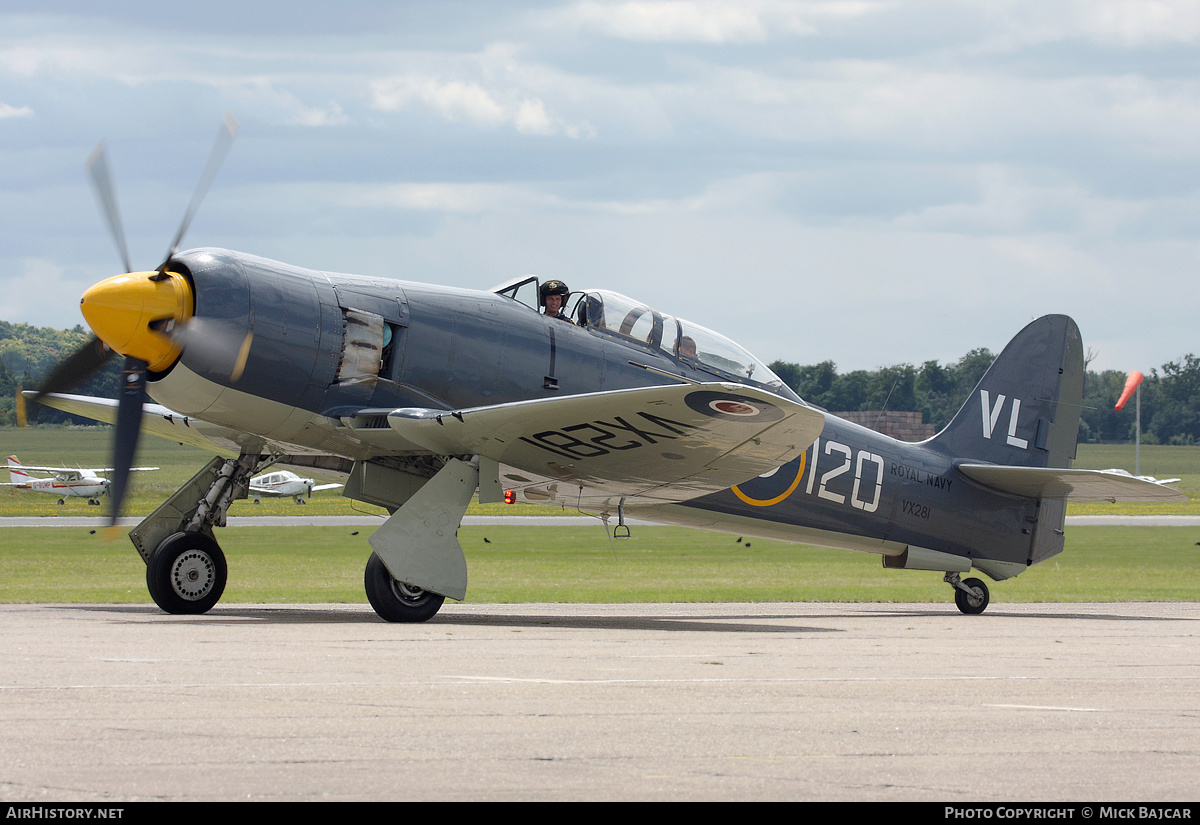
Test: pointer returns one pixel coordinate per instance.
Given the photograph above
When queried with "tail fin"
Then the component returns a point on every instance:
(15, 474)
(1025, 409)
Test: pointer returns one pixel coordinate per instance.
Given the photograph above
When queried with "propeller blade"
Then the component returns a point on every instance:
(20, 407)
(214, 344)
(78, 366)
(225, 136)
(129, 427)
(97, 166)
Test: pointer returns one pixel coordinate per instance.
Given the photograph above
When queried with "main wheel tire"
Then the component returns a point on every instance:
(976, 601)
(396, 601)
(187, 573)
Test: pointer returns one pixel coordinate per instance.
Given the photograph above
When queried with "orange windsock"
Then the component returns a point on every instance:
(1131, 384)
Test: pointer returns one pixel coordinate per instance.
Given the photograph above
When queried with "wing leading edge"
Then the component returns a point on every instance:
(156, 420)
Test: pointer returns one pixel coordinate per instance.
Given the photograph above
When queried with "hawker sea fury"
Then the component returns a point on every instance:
(424, 395)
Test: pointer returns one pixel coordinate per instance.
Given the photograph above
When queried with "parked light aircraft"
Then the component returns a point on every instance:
(424, 395)
(283, 483)
(67, 483)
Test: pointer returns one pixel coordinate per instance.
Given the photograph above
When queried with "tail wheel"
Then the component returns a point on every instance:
(187, 573)
(974, 599)
(396, 601)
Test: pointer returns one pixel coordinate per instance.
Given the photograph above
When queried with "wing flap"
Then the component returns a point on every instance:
(662, 443)
(1068, 484)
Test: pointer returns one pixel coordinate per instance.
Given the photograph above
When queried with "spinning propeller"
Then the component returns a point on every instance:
(146, 317)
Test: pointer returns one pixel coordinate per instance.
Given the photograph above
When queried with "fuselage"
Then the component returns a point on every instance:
(857, 489)
(82, 487)
(326, 343)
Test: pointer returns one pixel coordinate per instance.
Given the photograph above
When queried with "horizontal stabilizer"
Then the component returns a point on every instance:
(661, 443)
(1073, 485)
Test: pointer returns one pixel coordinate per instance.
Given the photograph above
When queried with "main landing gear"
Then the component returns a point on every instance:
(185, 568)
(396, 601)
(187, 573)
(971, 595)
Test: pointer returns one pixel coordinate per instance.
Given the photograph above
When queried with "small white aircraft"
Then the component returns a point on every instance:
(67, 482)
(283, 483)
(1151, 479)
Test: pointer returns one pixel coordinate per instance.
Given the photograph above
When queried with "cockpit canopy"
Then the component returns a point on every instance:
(611, 313)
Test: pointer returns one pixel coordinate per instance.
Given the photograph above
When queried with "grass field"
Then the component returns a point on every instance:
(579, 564)
(567, 563)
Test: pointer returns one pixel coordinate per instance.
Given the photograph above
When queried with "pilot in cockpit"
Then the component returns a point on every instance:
(553, 296)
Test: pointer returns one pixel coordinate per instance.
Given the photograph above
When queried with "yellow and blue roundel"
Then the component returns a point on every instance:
(773, 487)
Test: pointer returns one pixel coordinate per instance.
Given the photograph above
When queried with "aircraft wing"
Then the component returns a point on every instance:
(650, 444)
(156, 419)
(1074, 485)
(655, 444)
(74, 472)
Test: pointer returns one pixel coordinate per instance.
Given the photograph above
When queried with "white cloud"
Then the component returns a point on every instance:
(1127, 24)
(675, 20)
(330, 115)
(468, 198)
(454, 100)
(460, 101)
(710, 21)
(1137, 22)
(1010, 202)
(7, 110)
(23, 295)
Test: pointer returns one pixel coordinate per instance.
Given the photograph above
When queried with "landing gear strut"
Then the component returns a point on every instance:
(971, 595)
(185, 568)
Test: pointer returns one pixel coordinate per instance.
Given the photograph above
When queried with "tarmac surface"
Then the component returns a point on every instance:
(1037, 702)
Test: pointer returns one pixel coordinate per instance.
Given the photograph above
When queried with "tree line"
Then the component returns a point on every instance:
(1170, 395)
(29, 353)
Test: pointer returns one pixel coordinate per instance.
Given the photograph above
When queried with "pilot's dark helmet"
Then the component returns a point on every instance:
(552, 288)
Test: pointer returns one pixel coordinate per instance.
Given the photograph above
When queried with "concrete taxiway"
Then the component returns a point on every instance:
(1064, 702)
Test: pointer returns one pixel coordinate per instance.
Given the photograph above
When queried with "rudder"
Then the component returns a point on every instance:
(16, 474)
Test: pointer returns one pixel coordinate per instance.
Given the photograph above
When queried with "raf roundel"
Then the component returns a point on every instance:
(732, 407)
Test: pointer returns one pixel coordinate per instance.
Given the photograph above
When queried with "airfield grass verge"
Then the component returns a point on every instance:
(567, 563)
(519, 564)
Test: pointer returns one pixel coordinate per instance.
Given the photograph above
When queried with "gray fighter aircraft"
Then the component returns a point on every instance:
(424, 395)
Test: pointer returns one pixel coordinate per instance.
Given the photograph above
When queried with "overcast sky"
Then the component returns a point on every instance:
(867, 182)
